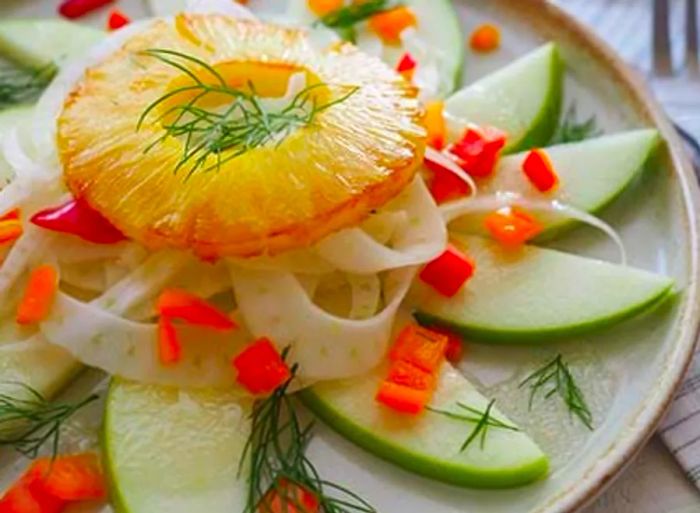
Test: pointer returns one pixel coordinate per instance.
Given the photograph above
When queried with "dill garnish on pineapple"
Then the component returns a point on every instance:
(28, 420)
(276, 464)
(482, 421)
(555, 379)
(19, 86)
(244, 124)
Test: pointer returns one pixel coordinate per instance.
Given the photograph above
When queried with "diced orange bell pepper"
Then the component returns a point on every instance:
(71, 478)
(539, 169)
(169, 346)
(181, 305)
(261, 368)
(403, 399)
(39, 295)
(434, 123)
(486, 38)
(389, 25)
(409, 375)
(10, 230)
(478, 150)
(421, 347)
(323, 7)
(512, 226)
(448, 273)
(288, 497)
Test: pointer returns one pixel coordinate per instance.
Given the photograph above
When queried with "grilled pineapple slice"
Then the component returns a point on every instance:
(353, 157)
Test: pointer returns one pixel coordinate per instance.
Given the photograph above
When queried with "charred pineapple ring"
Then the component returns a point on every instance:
(354, 157)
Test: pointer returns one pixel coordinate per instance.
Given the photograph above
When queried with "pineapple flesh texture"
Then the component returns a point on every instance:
(354, 157)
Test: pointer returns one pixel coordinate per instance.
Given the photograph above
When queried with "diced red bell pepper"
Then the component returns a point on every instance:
(24, 497)
(407, 66)
(444, 185)
(12, 215)
(288, 497)
(181, 305)
(261, 368)
(448, 273)
(512, 226)
(421, 347)
(169, 346)
(78, 218)
(71, 478)
(74, 9)
(539, 169)
(117, 19)
(409, 375)
(478, 150)
(403, 399)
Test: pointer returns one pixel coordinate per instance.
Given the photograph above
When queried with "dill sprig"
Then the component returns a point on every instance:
(572, 130)
(28, 420)
(275, 453)
(244, 124)
(482, 420)
(343, 20)
(555, 378)
(23, 85)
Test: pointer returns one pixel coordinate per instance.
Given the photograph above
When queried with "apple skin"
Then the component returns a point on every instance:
(521, 461)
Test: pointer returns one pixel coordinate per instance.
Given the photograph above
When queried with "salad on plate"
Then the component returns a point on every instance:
(247, 216)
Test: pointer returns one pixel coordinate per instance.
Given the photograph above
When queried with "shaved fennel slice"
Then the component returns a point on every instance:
(22, 165)
(295, 261)
(130, 350)
(457, 209)
(274, 304)
(382, 226)
(424, 238)
(226, 7)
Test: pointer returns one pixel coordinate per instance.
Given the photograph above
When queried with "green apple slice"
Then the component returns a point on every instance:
(523, 99)
(37, 43)
(535, 294)
(430, 444)
(175, 450)
(592, 174)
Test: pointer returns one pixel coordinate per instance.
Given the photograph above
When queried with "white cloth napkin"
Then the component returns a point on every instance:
(627, 26)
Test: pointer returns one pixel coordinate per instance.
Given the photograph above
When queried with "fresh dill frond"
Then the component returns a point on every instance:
(555, 378)
(482, 420)
(28, 420)
(572, 130)
(275, 457)
(345, 19)
(244, 124)
(19, 86)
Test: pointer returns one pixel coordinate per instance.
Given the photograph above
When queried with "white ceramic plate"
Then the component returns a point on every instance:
(629, 373)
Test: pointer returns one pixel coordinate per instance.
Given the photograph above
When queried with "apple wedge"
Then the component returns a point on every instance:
(591, 173)
(174, 450)
(431, 444)
(523, 99)
(535, 294)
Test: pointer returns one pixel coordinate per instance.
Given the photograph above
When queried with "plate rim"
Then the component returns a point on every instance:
(646, 418)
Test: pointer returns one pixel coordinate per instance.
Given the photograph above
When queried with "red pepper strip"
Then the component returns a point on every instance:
(403, 399)
(26, 497)
(539, 170)
(445, 185)
(289, 497)
(407, 66)
(448, 273)
(169, 346)
(261, 369)
(407, 374)
(181, 305)
(117, 19)
(478, 150)
(420, 347)
(512, 226)
(73, 9)
(70, 478)
(12, 215)
(78, 218)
